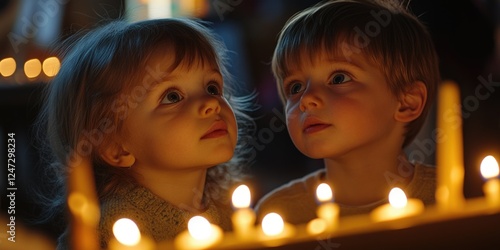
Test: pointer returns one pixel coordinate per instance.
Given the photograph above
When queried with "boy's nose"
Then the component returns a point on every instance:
(310, 98)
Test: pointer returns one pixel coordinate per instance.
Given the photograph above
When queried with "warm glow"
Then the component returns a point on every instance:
(324, 192)
(7, 66)
(489, 167)
(272, 224)
(32, 68)
(126, 232)
(80, 205)
(199, 228)
(241, 197)
(51, 66)
(397, 198)
(316, 226)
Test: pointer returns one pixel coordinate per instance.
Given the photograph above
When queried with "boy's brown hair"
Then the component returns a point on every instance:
(383, 31)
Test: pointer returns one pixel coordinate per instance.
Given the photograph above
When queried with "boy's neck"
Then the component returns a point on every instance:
(360, 181)
(183, 188)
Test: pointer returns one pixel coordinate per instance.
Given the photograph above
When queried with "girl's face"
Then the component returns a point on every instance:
(336, 107)
(181, 121)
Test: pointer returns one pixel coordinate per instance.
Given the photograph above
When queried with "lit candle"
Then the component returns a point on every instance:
(490, 171)
(200, 234)
(274, 229)
(128, 237)
(243, 217)
(327, 210)
(83, 204)
(272, 224)
(450, 165)
(398, 207)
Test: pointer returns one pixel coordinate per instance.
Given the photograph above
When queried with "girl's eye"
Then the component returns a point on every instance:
(340, 78)
(295, 88)
(172, 96)
(214, 89)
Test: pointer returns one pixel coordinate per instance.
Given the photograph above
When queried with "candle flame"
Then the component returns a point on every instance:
(7, 66)
(324, 192)
(241, 197)
(199, 228)
(51, 66)
(32, 68)
(397, 198)
(489, 167)
(272, 224)
(126, 232)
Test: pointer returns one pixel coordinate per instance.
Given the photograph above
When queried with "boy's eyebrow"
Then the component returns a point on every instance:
(351, 62)
(332, 60)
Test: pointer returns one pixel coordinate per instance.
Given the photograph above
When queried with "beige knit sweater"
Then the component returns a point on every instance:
(296, 200)
(155, 217)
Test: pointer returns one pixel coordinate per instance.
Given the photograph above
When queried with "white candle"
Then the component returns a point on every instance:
(243, 217)
(398, 207)
(83, 204)
(490, 171)
(450, 165)
(200, 234)
(327, 210)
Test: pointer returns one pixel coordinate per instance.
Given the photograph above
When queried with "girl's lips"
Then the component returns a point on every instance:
(218, 129)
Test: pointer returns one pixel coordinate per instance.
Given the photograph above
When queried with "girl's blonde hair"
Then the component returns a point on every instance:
(383, 31)
(104, 74)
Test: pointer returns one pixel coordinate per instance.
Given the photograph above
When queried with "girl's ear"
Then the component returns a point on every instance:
(411, 103)
(115, 155)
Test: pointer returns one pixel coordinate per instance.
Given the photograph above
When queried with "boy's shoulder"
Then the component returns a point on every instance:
(295, 200)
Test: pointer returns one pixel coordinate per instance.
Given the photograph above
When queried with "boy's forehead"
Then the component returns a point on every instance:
(337, 55)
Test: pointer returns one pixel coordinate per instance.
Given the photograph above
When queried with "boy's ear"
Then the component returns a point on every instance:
(411, 103)
(115, 155)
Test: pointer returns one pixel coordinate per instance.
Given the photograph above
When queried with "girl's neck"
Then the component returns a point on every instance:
(182, 188)
(359, 181)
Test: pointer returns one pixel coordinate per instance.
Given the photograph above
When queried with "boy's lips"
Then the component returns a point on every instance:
(313, 124)
(218, 128)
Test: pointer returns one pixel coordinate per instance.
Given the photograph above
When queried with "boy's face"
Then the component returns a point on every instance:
(182, 121)
(337, 108)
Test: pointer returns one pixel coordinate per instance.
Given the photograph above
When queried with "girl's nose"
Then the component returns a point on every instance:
(210, 105)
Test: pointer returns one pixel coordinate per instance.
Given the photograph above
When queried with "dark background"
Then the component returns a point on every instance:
(466, 34)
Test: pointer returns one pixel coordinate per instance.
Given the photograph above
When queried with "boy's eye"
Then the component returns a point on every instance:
(172, 96)
(214, 89)
(340, 78)
(295, 88)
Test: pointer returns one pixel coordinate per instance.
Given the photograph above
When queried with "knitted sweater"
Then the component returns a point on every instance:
(154, 217)
(296, 200)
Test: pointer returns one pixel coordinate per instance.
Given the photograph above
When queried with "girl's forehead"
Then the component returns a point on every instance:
(168, 61)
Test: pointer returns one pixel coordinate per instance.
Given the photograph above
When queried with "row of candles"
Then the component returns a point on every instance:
(273, 230)
(201, 234)
(32, 68)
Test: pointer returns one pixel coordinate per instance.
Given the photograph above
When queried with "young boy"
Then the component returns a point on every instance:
(356, 78)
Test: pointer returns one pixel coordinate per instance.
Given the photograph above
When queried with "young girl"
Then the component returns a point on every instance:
(146, 102)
